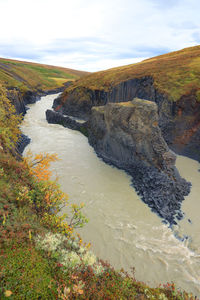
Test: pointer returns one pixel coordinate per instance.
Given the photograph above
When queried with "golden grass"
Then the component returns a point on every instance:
(62, 80)
(25, 75)
(175, 73)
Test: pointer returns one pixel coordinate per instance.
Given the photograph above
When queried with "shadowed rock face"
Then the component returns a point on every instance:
(20, 100)
(53, 117)
(128, 136)
(80, 101)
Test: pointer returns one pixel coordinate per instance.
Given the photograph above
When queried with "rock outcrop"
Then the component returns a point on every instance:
(179, 120)
(53, 117)
(20, 100)
(127, 135)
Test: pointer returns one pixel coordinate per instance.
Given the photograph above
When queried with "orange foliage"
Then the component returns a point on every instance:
(39, 165)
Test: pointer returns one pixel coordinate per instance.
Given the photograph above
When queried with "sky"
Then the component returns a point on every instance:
(94, 35)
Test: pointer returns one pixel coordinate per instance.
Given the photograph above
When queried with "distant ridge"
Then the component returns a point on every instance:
(174, 74)
(28, 75)
(170, 80)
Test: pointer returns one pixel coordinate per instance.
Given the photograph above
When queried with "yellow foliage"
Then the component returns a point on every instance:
(47, 197)
(9, 122)
(8, 293)
(39, 164)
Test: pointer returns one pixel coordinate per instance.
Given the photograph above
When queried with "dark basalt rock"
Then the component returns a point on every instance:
(127, 135)
(179, 120)
(57, 118)
(20, 100)
(23, 141)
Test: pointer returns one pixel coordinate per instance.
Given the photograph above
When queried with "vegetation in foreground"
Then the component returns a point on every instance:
(175, 74)
(26, 75)
(41, 256)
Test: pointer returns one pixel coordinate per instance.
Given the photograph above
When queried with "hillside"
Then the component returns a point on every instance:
(32, 76)
(171, 80)
(175, 73)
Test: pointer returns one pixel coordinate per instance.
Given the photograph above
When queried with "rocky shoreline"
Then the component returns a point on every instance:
(127, 135)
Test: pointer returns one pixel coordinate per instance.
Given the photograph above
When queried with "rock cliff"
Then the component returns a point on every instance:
(128, 136)
(179, 120)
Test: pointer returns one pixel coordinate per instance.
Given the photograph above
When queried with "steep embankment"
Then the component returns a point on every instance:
(171, 80)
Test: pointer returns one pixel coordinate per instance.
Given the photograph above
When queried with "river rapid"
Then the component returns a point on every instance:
(121, 228)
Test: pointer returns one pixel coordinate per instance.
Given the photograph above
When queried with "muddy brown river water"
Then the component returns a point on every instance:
(121, 228)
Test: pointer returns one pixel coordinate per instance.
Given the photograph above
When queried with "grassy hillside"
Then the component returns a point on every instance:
(26, 75)
(175, 74)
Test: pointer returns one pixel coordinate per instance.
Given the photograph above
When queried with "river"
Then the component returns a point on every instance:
(121, 228)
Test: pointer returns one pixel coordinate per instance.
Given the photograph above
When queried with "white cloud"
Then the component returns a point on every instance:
(96, 34)
(89, 62)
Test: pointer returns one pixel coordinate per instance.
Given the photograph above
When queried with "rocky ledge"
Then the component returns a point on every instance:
(127, 135)
(53, 117)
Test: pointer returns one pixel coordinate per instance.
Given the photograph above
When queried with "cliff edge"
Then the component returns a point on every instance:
(171, 80)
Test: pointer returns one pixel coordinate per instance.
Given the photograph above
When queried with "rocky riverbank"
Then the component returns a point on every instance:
(127, 135)
(20, 100)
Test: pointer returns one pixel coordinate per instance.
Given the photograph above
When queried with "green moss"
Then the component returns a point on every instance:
(26, 273)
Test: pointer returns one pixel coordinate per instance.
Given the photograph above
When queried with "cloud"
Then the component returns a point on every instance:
(96, 34)
(19, 50)
(196, 37)
(163, 4)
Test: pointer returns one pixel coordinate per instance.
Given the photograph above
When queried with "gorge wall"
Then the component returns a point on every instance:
(179, 120)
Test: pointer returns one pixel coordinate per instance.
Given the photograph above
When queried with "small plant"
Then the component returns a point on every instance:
(68, 252)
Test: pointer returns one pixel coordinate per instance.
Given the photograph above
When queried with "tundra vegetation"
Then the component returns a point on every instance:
(41, 255)
(36, 77)
(174, 74)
